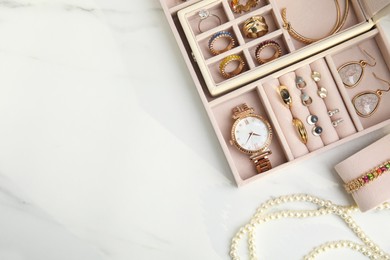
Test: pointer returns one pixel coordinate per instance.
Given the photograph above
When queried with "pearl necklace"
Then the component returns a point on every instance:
(325, 207)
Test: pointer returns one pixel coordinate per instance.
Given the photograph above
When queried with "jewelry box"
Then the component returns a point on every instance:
(314, 96)
(366, 174)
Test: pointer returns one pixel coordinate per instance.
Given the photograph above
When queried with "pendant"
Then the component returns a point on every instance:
(351, 73)
(366, 103)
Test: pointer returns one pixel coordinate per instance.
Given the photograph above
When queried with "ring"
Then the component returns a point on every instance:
(333, 112)
(219, 35)
(238, 8)
(205, 14)
(300, 129)
(255, 27)
(226, 61)
(272, 44)
(337, 122)
(285, 95)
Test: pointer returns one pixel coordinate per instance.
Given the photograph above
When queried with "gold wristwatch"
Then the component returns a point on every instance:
(252, 134)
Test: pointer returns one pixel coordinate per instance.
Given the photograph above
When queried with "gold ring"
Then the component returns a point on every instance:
(219, 35)
(226, 61)
(285, 95)
(301, 130)
(268, 44)
(238, 8)
(255, 27)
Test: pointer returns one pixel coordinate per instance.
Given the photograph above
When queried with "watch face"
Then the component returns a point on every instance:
(251, 133)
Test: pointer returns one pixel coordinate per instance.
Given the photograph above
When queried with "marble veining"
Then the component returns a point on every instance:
(106, 151)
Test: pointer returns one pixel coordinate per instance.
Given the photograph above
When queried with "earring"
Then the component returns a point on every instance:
(313, 120)
(301, 85)
(351, 73)
(367, 102)
(337, 122)
(321, 91)
(333, 112)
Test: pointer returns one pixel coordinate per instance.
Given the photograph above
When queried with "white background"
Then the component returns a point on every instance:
(106, 151)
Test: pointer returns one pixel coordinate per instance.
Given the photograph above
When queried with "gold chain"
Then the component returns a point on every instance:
(337, 27)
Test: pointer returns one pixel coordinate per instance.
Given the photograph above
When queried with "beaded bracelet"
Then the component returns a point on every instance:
(366, 178)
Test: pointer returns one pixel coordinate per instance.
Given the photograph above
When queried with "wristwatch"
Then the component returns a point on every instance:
(252, 134)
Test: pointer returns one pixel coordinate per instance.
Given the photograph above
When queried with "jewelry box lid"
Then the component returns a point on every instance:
(376, 9)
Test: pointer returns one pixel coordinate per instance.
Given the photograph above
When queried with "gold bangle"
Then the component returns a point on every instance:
(238, 8)
(268, 44)
(226, 61)
(366, 178)
(301, 130)
(255, 27)
(219, 35)
(299, 37)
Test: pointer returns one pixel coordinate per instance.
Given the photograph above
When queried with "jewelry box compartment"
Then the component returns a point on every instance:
(203, 22)
(331, 108)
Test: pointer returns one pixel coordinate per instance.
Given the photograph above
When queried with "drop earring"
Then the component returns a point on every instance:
(351, 73)
(366, 103)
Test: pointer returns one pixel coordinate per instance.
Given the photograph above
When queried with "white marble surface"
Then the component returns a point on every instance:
(107, 153)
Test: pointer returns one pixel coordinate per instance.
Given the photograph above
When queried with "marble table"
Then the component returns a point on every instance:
(107, 153)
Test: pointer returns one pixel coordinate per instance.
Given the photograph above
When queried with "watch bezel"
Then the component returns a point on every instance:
(239, 147)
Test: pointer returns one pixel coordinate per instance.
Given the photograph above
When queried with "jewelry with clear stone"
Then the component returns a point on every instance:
(337, 122)
(351, 73)
(321, 91)
(266, 212)
(301, 85)
(333, 112)
(205, 14)
(366, 103)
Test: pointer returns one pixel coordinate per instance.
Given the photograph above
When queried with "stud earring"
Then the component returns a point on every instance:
(301, 85)
(333, 112)
(321, 91)
(337, 122)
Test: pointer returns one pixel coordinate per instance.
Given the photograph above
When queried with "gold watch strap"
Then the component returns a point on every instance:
(261, 161)
(241, 110)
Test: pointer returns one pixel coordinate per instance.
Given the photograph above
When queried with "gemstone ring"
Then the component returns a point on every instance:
(204, 15)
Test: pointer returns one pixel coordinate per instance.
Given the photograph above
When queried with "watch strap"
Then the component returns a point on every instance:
(262, 161)
(241, 110)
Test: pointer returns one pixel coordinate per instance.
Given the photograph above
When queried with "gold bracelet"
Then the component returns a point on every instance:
(366, 178)
(337, 27)
(255, 27)
(268, 44)
(226, 61)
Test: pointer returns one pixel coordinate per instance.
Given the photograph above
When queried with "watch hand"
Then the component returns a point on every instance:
(256, 134)
(250, 135)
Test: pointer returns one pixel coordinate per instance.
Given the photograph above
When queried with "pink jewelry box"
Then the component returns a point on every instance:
(260, 89)
(377, 191)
